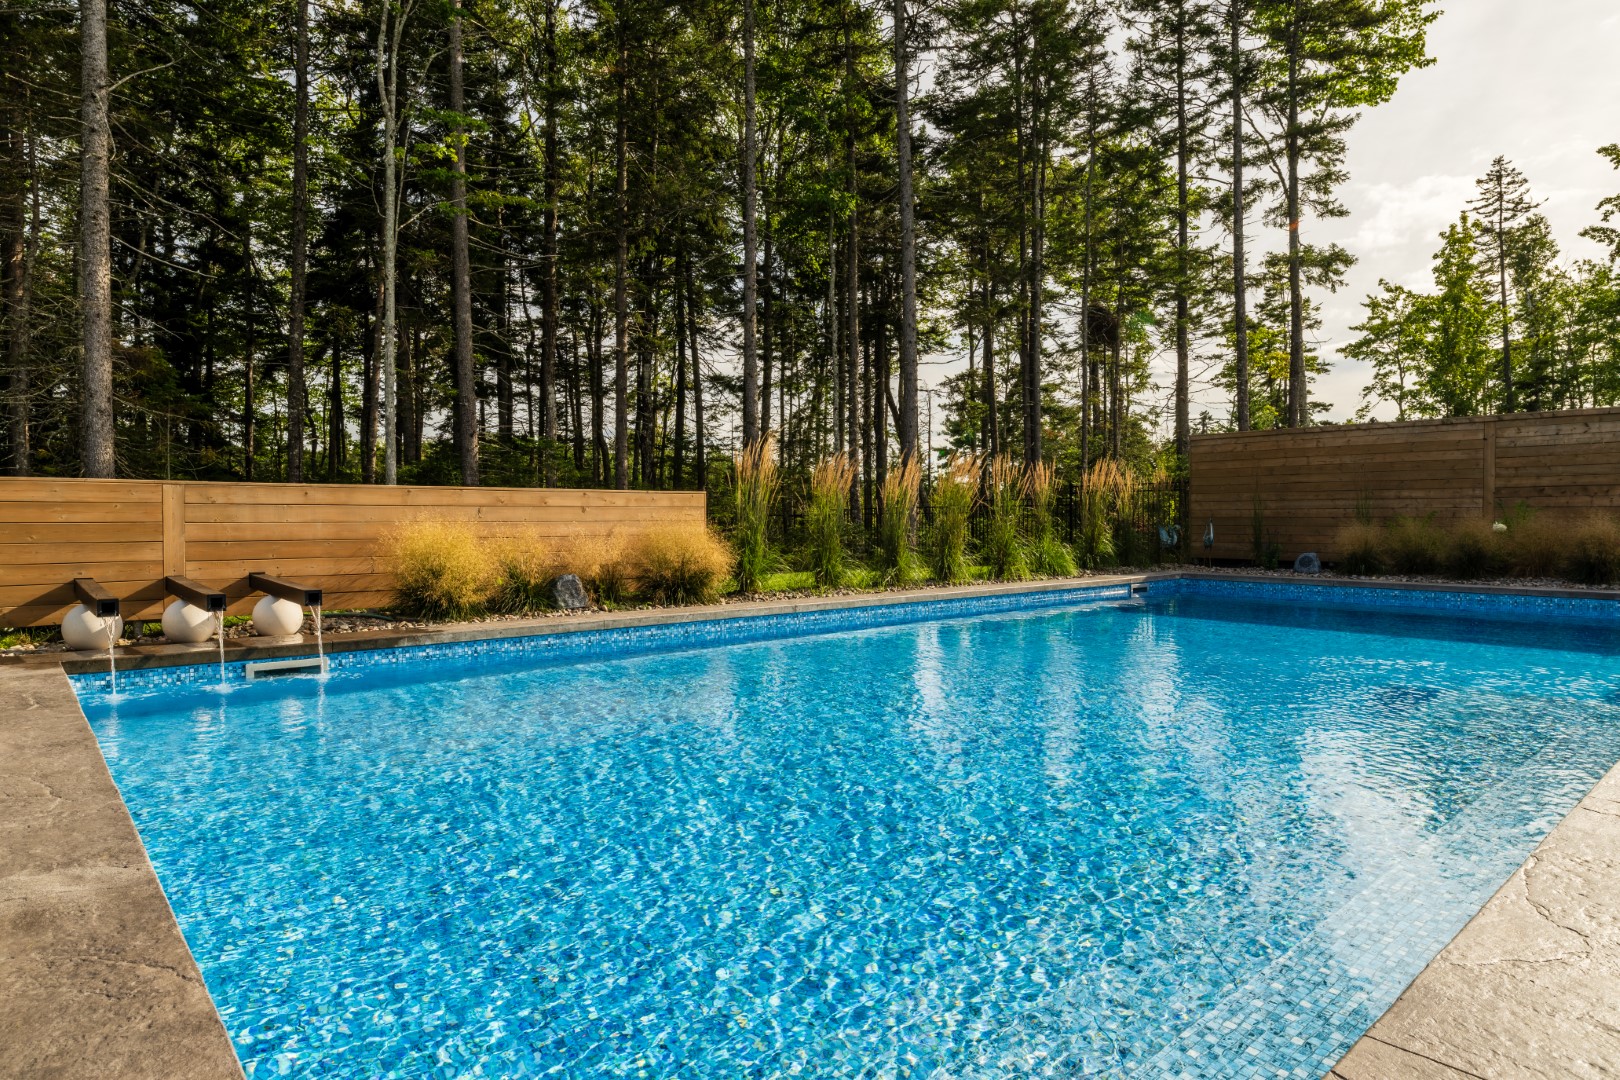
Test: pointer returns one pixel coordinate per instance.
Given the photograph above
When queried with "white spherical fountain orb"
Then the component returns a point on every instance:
(84, 629)
(275, 617)
(187, 624)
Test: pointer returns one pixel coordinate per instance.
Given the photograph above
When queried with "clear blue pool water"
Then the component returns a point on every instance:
(1202, 836)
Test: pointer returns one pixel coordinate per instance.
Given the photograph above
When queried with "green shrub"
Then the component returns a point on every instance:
(442, 570)
(1048, 555)
(953, 508)
(1003, 546)
(752, 495)
(1472, 550)
(830, 484)
(896, 557)
(1593, 554)
(678, 564)
(1361, 547)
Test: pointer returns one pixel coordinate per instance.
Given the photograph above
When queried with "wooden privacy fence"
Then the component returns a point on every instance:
(1307, 484)
(130, 534)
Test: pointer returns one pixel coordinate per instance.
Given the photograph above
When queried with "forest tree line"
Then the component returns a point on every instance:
(1507, 327)
(537, 242)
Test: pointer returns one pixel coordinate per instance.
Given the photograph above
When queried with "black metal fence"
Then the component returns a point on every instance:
(1156, 516)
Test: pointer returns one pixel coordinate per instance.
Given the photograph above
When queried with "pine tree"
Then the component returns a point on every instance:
(1500, 209)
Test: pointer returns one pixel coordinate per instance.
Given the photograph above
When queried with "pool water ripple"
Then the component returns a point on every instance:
(1095, 841)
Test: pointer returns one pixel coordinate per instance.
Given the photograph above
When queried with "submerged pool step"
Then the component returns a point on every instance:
(303, 665)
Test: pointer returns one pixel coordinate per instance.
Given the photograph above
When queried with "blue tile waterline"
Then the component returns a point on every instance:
(562, 646)
(1207, 835)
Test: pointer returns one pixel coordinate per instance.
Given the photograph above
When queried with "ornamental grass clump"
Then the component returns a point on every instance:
(442, 569)
(1003, 546)
(895, 555)
(1361, 545)
(1048, 555)
(953, 508)
(1536, 546)
(752, 495)
(1414, 545)
(830, 484)
(1472, 550)
(600, 562)
(1593, 548)
(678, 564)
(524, 568)
(1094, 533)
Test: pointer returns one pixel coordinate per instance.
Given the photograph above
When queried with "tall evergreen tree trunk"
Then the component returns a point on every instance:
(371, 354)
(695, 329)
(466, 426)
(1183, 247)
(1240, 298)
(621, 300)
(249, 405)
(852, 282)
(337, 430)
(549, 252)
(750, 155)
(908, 240)
(389, 33)
(298, 257)
(1033, 421)
(19, 275)
(992, 407)
(1297, 388)
(95, 244)
(1508, 403)
(1087, 264)
(678, 467)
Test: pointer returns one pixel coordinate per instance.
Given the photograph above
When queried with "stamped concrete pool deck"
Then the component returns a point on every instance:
(96, 979)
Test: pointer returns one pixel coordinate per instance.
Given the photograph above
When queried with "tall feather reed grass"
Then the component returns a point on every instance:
(1094, 536)
(830, 484)
(753, 493)
(896, 555)
(443, 570)
(1003, 544)
(1049, 556)
(953, 508)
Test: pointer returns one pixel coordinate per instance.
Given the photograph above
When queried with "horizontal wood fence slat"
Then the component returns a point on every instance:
(129, 534)
(1309, 483)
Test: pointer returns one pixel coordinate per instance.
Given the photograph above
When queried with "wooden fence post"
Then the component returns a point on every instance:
(174, 530)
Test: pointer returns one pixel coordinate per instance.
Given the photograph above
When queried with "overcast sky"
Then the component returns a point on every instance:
(1535, 80)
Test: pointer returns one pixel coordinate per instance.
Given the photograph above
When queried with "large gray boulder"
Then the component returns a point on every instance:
(567, 593)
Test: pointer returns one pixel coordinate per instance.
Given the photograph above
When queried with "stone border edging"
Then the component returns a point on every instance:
(95, 976)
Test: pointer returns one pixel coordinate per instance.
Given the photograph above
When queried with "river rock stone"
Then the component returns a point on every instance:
(567, 593)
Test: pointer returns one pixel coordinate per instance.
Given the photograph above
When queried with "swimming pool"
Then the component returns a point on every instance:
(1209, 832)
